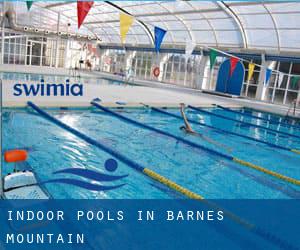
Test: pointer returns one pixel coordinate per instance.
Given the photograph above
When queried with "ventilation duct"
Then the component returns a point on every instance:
(10, 15)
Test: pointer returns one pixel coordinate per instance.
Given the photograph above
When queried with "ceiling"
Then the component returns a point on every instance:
(267, 25)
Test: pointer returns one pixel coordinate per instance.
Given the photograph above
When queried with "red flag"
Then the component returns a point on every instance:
(233, 62)
(83, 9)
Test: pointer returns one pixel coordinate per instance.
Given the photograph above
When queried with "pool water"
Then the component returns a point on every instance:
(52, 148)
(57, 79)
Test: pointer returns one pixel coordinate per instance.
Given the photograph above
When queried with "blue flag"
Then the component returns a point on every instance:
(268, 75)
(159, 34)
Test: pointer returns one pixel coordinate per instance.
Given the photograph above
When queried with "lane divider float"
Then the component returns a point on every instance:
(257, 117)
(195, 145)
(296, 151)
(159, 178)
(247, 123)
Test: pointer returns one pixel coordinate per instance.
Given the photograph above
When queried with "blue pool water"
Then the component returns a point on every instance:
(52, 149)
(57, 79)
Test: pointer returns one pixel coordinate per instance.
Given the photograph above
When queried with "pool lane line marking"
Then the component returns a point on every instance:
(296, 151)
(119, 156)
(195, 145)
(179, 117)
(168, 183)
(257, 117)
(223, 130)
(267, 171)
(248, 123)
(284, 118)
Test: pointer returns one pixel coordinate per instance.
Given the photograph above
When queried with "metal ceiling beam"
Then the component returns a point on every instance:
(237, 21)
(143, 25)
(275, 26)
(255, 3)
(169, 13)
(58, 4)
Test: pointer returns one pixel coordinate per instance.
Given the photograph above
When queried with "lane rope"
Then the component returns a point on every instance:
(248, 123)
(257, 117)
(224, 131)
(269, 172)
(195, 145)
(172, 185)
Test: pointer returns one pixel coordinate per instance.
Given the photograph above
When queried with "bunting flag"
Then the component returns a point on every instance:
(125, 23)
(251, 67)
(159, 35)
(83, 8)
(268, 76)
(189, 48)
(280, 79)
(233, 63)
(29, 4)
(295, 80)
(212, 57)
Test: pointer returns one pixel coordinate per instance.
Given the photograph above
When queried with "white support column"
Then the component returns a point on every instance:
(57, 41)
(203, 77)
(67, 61)
(261, 89)
(2, 43)
(161, 67)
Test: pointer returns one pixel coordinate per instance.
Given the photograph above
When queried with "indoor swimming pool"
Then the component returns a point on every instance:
(52, 148)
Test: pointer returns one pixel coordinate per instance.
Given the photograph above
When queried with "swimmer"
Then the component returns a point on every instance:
(188, 129)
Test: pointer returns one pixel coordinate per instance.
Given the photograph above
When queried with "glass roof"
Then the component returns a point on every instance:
(266, 25)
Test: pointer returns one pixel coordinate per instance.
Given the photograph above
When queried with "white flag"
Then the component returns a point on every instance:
(280, 79)
(189, 48)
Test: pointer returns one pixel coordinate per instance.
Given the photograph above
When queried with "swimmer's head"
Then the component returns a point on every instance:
(182, 105)
(182, 128)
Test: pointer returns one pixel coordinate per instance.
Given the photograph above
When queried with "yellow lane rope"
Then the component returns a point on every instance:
(174, 186)
(266, 171)
(296, 151)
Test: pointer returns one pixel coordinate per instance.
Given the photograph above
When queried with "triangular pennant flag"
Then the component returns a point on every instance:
(251, 67)
(233, 63)
(212, 57)
(189, 48)
(268, 75)
(295, 80)
(125, 23)
(83, 8)
(159, 35)
(29, 4)
(280, 79)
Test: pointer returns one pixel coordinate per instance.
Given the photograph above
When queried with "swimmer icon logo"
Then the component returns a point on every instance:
(110, 165)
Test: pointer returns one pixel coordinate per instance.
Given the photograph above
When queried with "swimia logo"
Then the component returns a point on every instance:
(48, 89)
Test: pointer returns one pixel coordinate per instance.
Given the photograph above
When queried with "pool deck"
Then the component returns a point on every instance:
(146, 92)
(110, 94)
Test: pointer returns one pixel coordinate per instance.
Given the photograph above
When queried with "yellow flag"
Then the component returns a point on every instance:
(125, 23)
(250, 71)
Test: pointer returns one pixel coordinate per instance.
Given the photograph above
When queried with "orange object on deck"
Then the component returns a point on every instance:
(15, 155)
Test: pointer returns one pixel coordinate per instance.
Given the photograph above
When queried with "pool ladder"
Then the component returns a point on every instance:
(292, 106)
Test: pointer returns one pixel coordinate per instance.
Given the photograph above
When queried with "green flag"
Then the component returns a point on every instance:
(29, 4)
(212, 56)
(295, 80)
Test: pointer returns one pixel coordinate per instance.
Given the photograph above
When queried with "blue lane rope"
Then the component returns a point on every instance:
(248, 123)
(84, 137)
(222, 130)
(195, 145)
(145, 126)
(285, 118)
(257, 117)
(172, 185)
